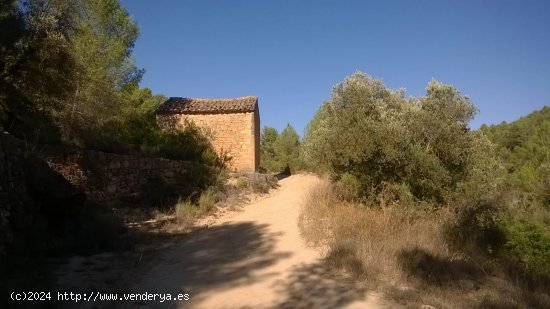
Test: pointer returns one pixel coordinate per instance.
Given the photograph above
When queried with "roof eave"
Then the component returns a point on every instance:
(172, 112)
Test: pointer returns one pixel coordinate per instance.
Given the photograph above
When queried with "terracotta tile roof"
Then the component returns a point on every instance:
(208, 106)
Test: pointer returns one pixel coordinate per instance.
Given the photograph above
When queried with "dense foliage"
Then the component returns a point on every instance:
(280, 151)
(411, 146)
(67, 75)
(36, 68)
(524, 146)
(385, 149)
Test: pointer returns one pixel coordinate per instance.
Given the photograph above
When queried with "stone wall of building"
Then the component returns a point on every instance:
(256, 140)
(235, 136)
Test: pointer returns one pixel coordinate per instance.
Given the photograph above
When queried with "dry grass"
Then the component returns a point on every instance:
(375, 236)
(521, 207)
(185, 212)
(402, 251)
(227, 194)
(254, 182)
(208, 200)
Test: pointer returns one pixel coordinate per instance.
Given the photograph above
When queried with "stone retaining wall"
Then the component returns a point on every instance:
(107, 176)
(29, 191)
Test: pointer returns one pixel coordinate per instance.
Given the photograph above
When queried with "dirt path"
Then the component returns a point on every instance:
(252, 259)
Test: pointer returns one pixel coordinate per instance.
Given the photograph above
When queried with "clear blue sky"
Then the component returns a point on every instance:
(290, 53)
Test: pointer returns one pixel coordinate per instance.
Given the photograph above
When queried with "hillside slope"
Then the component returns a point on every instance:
(524, 146)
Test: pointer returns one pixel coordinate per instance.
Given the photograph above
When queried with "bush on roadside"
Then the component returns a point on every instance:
(476, 227)
(200, 175)
(528, 244)
(99, 229)
(348, 187)
(208, 199)
(388, 141)
(405, 254)
(372, 236)
(422, 198)
(242, 182)
(256, 182)
(185, 210)
(262, 183)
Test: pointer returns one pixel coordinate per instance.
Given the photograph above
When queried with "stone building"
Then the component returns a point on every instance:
(233, 124)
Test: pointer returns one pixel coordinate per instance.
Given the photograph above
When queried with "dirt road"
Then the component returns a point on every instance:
(252, 259)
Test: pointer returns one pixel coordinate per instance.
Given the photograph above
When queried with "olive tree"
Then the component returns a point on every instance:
(417, 146)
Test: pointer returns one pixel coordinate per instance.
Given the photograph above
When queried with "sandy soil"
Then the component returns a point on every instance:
(253, 259)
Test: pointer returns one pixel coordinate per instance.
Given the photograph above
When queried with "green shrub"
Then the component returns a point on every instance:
(157, 192)
(135, 131)
(243, 183)
(381, 137)
(99, 230)
(529, 244)
(280, 152)
(185, 210)
(348, 187)
(476, 227)
(272, 181)
(524, 146)
(207, 200)
(261, 183)
(389, 193)
(199, 175)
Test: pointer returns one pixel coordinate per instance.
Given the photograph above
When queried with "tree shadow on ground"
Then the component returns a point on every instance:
(197, 262)
(438, 271)
(215, 258)
(319, 286)
(462, 283)
(281, 176)
(284, 173)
